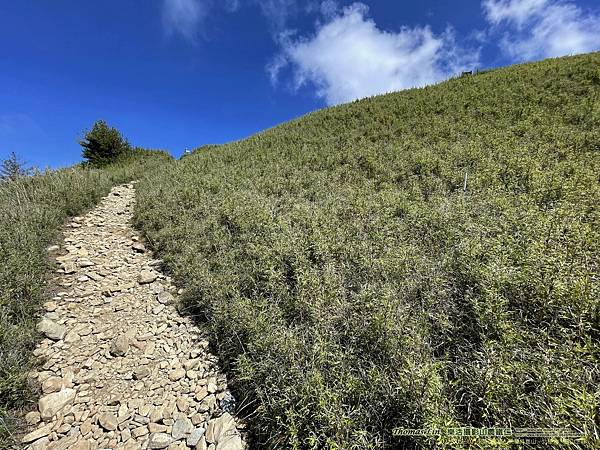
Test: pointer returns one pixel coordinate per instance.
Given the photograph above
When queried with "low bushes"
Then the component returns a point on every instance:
(352, 285)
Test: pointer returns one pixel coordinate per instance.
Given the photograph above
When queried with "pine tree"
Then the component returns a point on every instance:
(103, 144)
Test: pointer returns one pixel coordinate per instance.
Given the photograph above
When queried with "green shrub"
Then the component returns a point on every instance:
(103, 144)
(352, 286)
(31, 211)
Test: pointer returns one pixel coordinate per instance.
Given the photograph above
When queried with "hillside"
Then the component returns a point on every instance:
(352, 285)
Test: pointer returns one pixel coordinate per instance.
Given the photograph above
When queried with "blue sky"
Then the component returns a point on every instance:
(172, 74)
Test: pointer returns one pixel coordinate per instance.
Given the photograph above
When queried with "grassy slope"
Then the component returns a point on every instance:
(31, 211)
(352, 286)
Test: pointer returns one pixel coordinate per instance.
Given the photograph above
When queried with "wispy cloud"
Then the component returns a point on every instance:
(349, 57)
(184, 17)
(19, 123)
(542, 28)
(277, 13)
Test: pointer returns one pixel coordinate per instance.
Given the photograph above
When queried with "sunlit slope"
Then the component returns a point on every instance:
(353, 285)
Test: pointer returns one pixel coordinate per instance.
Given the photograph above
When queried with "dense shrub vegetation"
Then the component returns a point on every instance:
(31, 211)
(352, 285)
(103, 144)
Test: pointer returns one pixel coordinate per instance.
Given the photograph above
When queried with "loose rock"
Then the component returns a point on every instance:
(147, 277)
(181, 428)
(139, 247)
(51, 404)
(32, 418)
(159, 440)
(51, 329)
(52, 384)
(119, 346)
(108, 421)
(177, 374)
(36, 434)
(194, 437)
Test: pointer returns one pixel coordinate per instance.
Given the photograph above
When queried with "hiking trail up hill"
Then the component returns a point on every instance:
(120, 367)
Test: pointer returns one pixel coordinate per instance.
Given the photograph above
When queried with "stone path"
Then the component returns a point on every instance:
(120, 367)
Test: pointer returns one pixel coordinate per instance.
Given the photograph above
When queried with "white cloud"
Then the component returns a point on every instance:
(349, 57)
(329, 8)
(183, 17)
(518, 11)
(275, 66)
(543, 28)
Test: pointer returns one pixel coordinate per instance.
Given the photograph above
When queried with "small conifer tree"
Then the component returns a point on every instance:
(12, 168)
(103, 144)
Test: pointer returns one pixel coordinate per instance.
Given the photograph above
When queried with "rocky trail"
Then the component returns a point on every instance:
(120, 367)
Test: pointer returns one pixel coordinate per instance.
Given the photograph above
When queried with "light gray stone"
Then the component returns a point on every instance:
(141, 372)
(64, 443)
(69, 268)
(119, 345)
(159, 440)
(51, 404)
(32, 418)
(147, 277)
(51, 329)
(37, 434)
(40, 444)
(201, 445)
(82, 444)
(230, 442)
(52, 384)
(181, 428)
(166, 298)
(207, 404)
(108, 421)
(194, 437)
(177, 374)
(221, 428)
